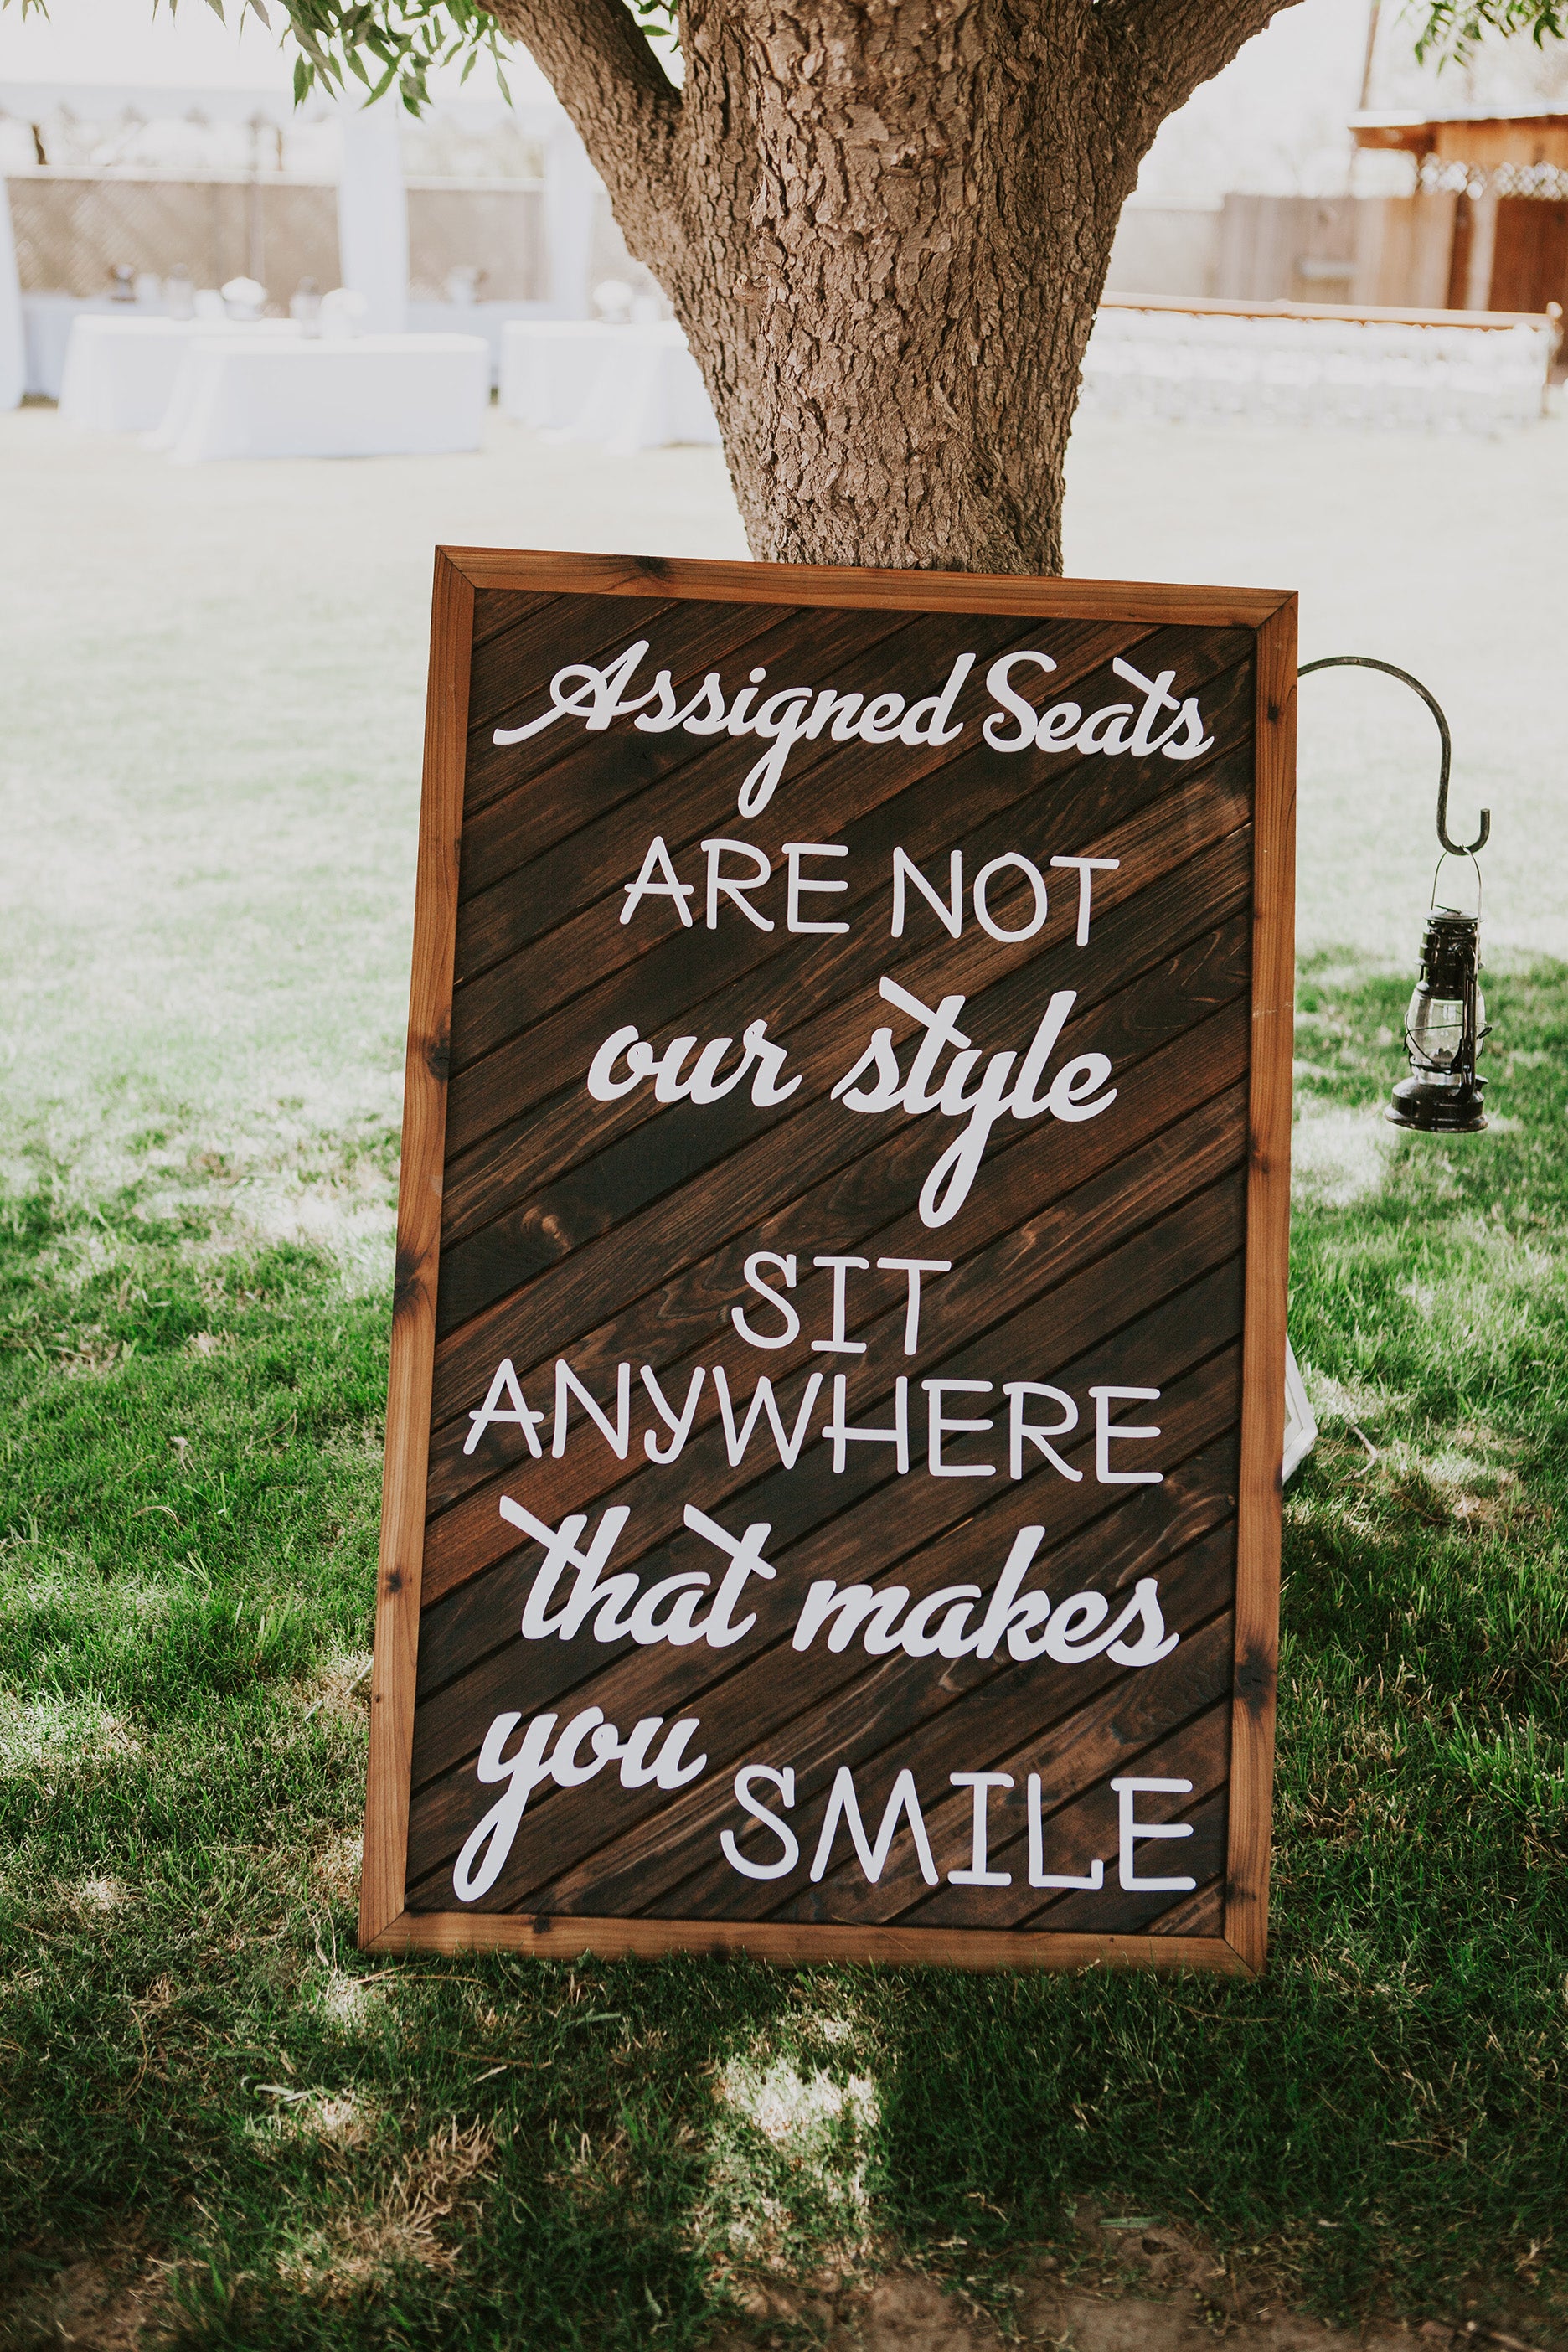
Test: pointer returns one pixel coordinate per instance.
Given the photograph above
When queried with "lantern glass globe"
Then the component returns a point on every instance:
(1435, 1030)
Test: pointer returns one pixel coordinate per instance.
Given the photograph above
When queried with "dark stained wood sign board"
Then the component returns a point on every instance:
(832, 1495)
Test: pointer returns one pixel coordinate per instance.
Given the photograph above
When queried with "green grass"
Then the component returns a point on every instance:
(325, 2150)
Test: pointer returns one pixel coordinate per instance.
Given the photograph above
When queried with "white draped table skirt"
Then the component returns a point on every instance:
(627, 388)
(120, 373)
(371, 396)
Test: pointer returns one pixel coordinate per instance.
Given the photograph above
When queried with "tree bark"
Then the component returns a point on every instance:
(885, 226)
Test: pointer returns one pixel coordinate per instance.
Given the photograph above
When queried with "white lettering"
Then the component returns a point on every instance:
(785, 1783)
(517, 1412)
(855, 1606)
(1038, 1875)
(938, 1427)
(560, 1553)
(1087, 867)
(603, 1082)
(978, 1875)
(949, 912)
(782, 720)
(1157, 697)
(770, 1060)
(842, 1437)
(617, 1436)
(485, 1851)
(745, 1556)
(879, 719)
(1006, 1614)
(794, 852)
(926, 723)
(1014, 705)
(488, 1843)
(595, 698)
(1193, 741)
(948, 1185)
(1058, 727)
(705, 1086)
(658, 879)
(940, 1032)
(762, 1401)
(881, 1060)
(942, 1625)
(1076, 1081)
(1153, 1643)
(705, 713)
(1106, 731)
(732, 886)
(1025, 1103)
(786, 1266)
(837, 1344)
(1036, 882)
(913, 1267)
(704, 1083)
(599, 695)
(843, 1805)
(679, 1425)
(952, 1604)
(1128, 1793)
(841, 708)
(739, 724)
(1018, 1428)
(683, 1593)
(1104, 1432)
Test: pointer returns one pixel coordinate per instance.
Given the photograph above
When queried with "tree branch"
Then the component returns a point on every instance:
(1165, 49)
(608, 78)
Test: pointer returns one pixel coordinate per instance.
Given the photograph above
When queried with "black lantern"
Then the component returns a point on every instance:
(1444, 1027)
(1446, 1022)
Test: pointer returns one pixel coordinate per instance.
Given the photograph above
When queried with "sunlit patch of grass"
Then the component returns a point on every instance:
(788, 2153)
(416, 2220)
(1338, 1155)
(36, 1732)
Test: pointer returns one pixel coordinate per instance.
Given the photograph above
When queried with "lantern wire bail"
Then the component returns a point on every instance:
(1366, 661)
(1443, 859)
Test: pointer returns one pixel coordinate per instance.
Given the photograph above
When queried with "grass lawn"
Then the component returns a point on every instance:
(272, 2141)
(333, 2150)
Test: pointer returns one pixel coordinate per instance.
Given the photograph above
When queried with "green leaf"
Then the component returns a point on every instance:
(1450, 31)
(384, 42)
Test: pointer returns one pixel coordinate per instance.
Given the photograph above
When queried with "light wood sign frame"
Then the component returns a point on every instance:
(832, 1488)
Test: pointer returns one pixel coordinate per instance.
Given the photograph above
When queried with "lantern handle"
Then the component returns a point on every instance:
(1389, 669)
(1443, 859)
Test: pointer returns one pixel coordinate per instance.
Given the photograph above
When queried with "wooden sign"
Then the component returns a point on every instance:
(832, 1497)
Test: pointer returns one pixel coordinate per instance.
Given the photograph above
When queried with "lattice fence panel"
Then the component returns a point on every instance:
(498, 231)
(75, 229)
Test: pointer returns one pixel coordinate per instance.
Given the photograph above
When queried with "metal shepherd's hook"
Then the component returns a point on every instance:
(1366, 661)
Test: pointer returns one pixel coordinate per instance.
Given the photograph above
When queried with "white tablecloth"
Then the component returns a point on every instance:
(48, 319)
(489, 319)
(120, 372)
(549, 367)
(375, 396)
(632, 387)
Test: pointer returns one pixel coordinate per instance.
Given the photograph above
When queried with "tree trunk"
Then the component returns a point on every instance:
(885, 226)
(896, 284)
